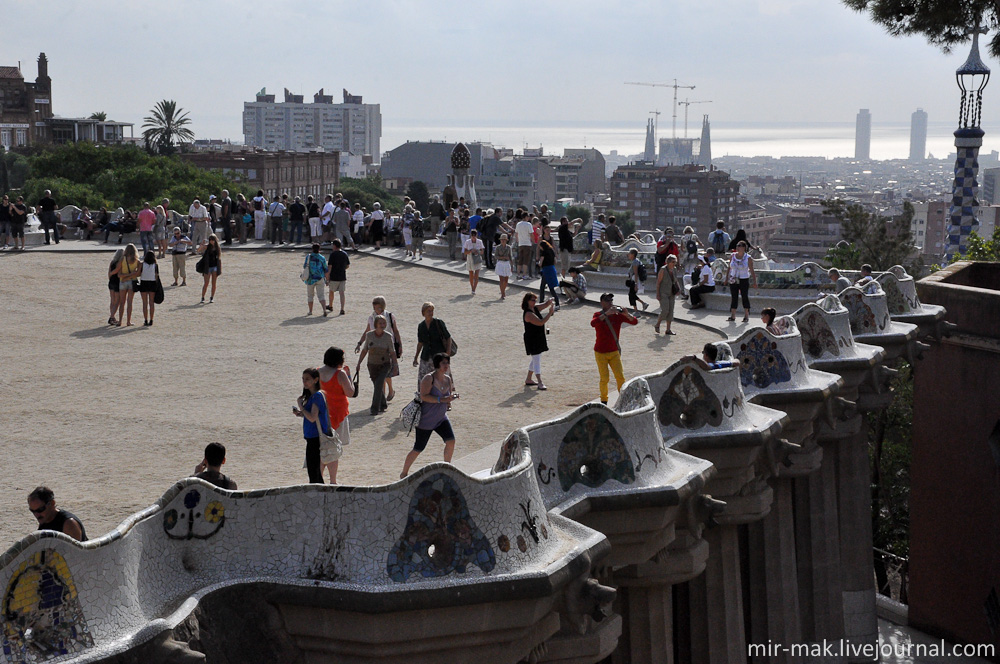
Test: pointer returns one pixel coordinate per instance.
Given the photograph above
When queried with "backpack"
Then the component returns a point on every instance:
(258, 205)
(692, 248)
(642, 272)
(719, 242)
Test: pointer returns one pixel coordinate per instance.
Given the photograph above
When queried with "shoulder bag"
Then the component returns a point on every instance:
(199, 267)
(410, 415)
(158, 293)
(454, 344)
(331, 442)
(396, 343)
(614, 335)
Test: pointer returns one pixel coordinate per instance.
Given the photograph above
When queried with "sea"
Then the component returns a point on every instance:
(814, 139)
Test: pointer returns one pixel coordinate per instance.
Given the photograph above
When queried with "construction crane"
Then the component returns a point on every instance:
(687, 105)
(673, 85)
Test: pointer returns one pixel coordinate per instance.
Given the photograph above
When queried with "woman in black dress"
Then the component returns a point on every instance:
(535, 342)
(213, 265)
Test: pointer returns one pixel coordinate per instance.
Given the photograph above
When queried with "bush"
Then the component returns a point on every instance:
(368, 191)
(578, 211)
(86, 174)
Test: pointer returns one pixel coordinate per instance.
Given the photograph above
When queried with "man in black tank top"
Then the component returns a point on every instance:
(42, 503)
(210, 469)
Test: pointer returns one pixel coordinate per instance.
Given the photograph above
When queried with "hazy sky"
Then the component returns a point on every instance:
(512, 63)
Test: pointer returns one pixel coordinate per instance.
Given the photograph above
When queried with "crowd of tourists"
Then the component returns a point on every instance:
(518, 244)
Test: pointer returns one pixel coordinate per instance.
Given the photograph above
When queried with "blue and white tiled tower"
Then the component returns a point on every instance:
(972, 78)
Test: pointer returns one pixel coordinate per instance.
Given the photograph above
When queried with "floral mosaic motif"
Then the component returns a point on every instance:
(193, 523)
(817, 337)
(689, 403)
(42, 616)
(761, 363)
(591, 453)
(862, 316)
(440, 536)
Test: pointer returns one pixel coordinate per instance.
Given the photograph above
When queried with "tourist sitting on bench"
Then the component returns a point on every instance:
(706, 284)
(593, 264)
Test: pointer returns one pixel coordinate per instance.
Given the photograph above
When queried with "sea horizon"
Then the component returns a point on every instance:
(889, 140)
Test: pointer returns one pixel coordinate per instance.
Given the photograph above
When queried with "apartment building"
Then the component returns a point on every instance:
(295, 126)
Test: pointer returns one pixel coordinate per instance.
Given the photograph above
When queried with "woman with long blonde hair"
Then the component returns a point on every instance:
(129, 270)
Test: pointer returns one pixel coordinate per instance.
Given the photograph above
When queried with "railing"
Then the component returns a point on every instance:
(892, 575)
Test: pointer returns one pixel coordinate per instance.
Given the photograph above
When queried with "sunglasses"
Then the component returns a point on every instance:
(40, 509)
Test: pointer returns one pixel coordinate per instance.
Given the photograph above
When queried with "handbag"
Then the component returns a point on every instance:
(410, 415)
(397, 345)
(454, 344)
(158, 293)
(199, 267)
(330, 441)
(357, 390)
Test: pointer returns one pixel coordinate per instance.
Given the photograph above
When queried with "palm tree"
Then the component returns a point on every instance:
(166, 125)
(100, 116)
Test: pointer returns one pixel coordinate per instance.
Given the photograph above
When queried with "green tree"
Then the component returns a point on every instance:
(165, 126)
(981, 249)
(943, 22)
(873, 238)
(367, 192)
(578, 212)
(99, 115)
(890, 452)
(86, 174)
(421, 197)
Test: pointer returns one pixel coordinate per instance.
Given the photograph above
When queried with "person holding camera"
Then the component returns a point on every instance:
(535, 342)
(436, 394)
(607, 323)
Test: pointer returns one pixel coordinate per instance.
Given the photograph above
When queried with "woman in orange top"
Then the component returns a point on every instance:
(335, 381)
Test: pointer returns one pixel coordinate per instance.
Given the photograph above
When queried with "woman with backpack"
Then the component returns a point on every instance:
(689, 247)
(408, 231)
(314, 276)
(637, 274)
(259, 215)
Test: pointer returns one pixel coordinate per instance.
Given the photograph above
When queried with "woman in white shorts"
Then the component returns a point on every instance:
(502, 255)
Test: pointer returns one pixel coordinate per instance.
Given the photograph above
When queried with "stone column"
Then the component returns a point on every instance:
(646, 591)
(716, 603)
(962, 216)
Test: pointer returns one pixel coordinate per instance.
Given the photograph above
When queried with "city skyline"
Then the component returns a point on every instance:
(805, 75)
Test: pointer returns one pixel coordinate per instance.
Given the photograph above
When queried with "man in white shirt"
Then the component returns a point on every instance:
(199, 220)
(326, 216)
(276, 214)
(706, 283)
(523, 232)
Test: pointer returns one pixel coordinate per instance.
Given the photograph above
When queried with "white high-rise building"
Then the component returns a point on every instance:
(863, 135)
(296, 126)
(918, 135)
